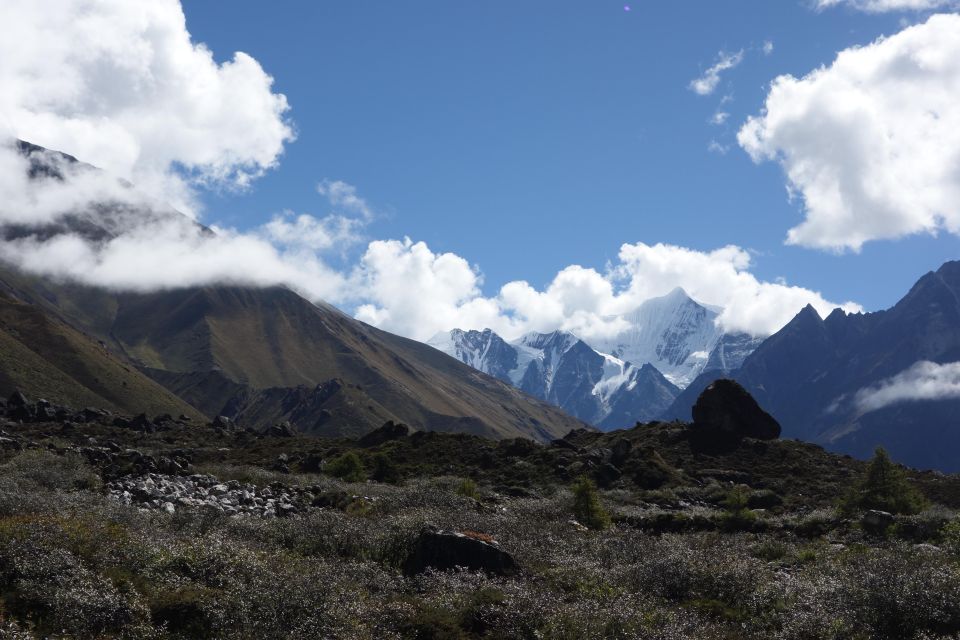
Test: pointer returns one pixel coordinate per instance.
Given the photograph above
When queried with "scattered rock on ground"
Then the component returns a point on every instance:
(444, 550)
(875, 521)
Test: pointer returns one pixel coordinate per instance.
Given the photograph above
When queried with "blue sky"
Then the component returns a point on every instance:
(523, 166)
(528, 136)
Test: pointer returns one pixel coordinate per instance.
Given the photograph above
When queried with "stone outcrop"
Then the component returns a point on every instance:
(726, 412)
(389, 431)
(444, 550)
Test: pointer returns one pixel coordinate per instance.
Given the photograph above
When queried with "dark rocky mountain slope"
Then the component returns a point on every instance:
(816, 373)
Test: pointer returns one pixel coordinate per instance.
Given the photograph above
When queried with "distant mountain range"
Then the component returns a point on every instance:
(614, 383)
(258, 355)
(563, 370)
(852, 382)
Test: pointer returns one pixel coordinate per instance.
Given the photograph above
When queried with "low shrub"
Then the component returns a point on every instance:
(950, 536)
(770, 550)
(468, 489)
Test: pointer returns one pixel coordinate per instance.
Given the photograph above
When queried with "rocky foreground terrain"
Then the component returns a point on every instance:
(161, 527)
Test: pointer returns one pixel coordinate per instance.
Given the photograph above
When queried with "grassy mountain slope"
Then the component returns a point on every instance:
(46, 358)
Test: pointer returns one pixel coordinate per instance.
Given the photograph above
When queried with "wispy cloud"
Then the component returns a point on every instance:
(718, 148)
(708, 82)
(719, 118)
(344, 197)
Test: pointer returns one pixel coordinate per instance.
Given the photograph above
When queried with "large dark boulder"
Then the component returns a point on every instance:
(445, 550)
(726, 411)
(389, 431)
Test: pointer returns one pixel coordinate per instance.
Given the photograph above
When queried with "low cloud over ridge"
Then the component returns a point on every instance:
(122, 85)
(923, 381)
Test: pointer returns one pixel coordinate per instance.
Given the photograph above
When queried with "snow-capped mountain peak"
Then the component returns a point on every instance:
(556, 341)
(674, 333)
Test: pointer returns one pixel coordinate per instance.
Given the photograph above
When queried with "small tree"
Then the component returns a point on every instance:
(586, 505)
(385, 469)
(738, 515)
(347, 467)
(884, 487)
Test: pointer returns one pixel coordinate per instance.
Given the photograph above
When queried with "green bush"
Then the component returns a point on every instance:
(884, 487)
(770, 550)
(950, 534)
(347, 467)
(586, 505)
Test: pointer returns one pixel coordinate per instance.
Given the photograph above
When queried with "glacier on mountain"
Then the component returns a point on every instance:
(674, 333)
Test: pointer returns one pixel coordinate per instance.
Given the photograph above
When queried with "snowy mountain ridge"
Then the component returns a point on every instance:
(562, 369)
(616, 382)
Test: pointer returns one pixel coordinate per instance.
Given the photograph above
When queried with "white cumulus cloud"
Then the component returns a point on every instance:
(122, 85)
(406, 288)
(411, 290)
(923, 381)
(870, 143)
